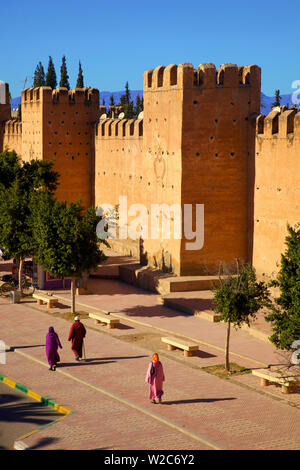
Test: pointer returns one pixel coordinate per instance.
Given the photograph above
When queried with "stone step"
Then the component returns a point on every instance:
(145, 277)
(187, 283)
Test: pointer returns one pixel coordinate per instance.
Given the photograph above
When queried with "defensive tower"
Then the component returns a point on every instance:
(198, 119)
(59, 125)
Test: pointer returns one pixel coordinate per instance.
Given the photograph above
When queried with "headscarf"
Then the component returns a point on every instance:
(155, 357)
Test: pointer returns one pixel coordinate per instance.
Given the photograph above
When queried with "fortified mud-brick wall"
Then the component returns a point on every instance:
(59, 125)
(276, 188)
(217, 108)
(5, 115)
(118, 150)
(146, 166)
(12, 138)
(194, 150)
(32, 124)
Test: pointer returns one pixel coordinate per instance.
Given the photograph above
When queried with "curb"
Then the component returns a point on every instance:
(36, 396)
(19, 444)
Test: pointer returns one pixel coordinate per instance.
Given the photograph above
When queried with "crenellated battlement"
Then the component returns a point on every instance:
(13, 127)
(61, 95)
(206, 75)
(119, 128)
(280, 122)
(194, 143)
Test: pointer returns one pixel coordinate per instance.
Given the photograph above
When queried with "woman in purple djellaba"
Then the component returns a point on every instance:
(155, 378)
(52, 345)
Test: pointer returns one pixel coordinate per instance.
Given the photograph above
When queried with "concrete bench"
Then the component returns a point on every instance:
(285, 378)
(110, 322)
(176, 343)
(44, 298)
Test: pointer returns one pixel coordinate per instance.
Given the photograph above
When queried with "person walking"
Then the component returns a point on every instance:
(77, 333)
(52, 345)
(155, 378)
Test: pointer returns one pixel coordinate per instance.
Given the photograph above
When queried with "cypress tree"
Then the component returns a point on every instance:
(139, 106)
(277, 98)
(51, 75)
(111, 100)
(79, 83)
(127, 93)
(64, 77)
(126, 103)
(39, 76)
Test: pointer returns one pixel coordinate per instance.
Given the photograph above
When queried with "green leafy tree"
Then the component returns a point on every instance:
(285, 316)
(237, 299)
(23, 181)
(15, 234)
(64, 77)
(65, 238)
(10, 168)
(51, 80)
(39, 78)
(79, 83)
(277, 98)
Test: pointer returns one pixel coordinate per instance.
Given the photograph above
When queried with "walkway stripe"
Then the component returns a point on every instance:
(163, 330)
(126, 402)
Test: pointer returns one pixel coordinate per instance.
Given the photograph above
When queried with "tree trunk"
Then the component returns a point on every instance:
(73, 295)
(227, 366)
(21, 262)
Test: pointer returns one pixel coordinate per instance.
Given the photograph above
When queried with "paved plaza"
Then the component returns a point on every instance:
(107, 395)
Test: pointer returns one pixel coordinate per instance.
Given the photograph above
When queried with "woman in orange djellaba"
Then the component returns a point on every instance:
(155, 378)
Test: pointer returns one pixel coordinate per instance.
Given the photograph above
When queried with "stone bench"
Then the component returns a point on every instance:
(44, 298)
(176, 343)
(110, 322)
(285, 378)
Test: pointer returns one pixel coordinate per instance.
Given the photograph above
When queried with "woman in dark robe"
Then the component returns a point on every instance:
(52, 345)
(77, 333)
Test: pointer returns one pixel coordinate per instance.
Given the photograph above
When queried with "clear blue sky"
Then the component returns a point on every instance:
(117, 40)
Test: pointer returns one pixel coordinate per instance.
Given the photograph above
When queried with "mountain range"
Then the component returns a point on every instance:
(265, 108)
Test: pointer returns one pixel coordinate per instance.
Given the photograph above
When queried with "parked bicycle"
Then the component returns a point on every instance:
(8, 283)
(5, 288)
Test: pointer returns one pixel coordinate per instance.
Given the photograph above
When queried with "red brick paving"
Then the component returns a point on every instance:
(227, 414)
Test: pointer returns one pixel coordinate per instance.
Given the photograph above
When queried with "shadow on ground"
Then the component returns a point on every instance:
(196, 400)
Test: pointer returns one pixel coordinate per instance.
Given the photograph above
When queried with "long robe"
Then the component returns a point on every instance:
(52, 345)
(155, 380)
(77, 333)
